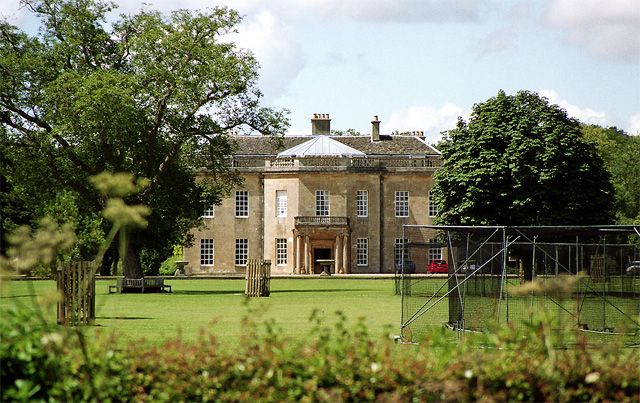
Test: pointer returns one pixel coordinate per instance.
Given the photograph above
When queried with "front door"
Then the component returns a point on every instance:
(320, 253)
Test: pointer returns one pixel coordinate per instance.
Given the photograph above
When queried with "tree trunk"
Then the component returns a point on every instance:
(131, 262)
(109, 265)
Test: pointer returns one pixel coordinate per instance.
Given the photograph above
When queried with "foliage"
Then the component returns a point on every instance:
(169, 267)
(149, 94)
(621, 155)
(334, 363)
(31, 250)
(42, 361)
(521, 161)
(348, 132)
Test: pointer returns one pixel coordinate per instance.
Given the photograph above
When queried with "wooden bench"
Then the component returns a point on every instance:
(145, 284)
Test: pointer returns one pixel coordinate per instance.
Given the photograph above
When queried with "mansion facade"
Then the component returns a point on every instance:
(321, 202)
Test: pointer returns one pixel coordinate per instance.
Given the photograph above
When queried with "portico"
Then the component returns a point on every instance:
(321, 238)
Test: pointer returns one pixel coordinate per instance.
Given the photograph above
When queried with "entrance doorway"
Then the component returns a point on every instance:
(320, 253)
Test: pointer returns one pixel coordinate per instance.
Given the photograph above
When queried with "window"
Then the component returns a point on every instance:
(206, 252)
(362, 251)
(433, 207)
(281, 203)
(242, 252)
(242, 203)
(362, 203)
(400, 251)
(402, 204)
(281, 251)
(322, 202)
(208, 210)
(435, 254)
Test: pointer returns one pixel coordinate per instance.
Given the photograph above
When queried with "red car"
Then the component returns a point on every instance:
(438, 266)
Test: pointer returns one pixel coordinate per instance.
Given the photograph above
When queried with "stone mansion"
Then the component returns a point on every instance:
(321, 201)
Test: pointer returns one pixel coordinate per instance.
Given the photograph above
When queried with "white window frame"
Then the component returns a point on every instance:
(322, 203)
(281, 203)
(433, 207)
(209, 210)
(362, 203)
(242, 203)
(242, 252)
(435, 254)
(402, 204)
(281, 251)
(362, 251)
(398, 249)
(207, 252)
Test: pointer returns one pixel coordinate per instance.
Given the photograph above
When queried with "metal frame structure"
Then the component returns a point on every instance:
(560, 250)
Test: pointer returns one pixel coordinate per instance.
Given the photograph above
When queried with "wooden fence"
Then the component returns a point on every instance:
(258, 278)
(76, 294)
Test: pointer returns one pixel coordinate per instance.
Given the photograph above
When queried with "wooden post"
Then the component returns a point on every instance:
(76, 284)
(258, 278)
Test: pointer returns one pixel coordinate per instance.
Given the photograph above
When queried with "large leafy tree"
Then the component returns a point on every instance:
(621, 155)
(149, 94)
(521, 161)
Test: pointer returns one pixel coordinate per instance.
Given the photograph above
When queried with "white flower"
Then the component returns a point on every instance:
(51, 338)
(592, 377)
(375, 367)
(468, 374)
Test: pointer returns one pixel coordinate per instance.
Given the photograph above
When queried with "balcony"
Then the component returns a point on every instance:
(324, 221)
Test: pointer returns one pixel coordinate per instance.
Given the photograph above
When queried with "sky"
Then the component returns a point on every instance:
(420, 64)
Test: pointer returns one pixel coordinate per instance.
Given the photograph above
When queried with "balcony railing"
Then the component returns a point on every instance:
(322, 220)
(397, 162)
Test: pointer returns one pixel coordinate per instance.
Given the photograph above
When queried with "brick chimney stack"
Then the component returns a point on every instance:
(375, 129)
(320, 124)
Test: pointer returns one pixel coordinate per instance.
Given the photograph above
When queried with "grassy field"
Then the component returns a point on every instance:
(219, 305)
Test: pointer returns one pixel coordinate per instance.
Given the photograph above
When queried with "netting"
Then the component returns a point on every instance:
(584, 278)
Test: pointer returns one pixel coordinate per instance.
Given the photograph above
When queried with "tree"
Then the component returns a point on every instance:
(621, 155)
(150, 94)
(521, 161)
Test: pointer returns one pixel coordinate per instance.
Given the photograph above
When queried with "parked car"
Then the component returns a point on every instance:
(634, 268)
(438, 266)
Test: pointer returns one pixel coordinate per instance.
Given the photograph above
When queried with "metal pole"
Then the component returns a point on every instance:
(402, 288)
(504, 269)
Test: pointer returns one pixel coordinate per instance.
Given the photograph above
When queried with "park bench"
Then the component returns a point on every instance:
(145, 284)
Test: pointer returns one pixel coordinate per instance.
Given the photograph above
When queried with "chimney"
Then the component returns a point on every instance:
(375, 129)
(320, 124)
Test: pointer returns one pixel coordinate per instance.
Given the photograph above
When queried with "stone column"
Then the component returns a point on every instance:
(345, 254)
(296, 261)
(306, 255)
(337, 258)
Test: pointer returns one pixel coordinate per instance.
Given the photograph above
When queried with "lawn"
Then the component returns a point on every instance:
(219, 305)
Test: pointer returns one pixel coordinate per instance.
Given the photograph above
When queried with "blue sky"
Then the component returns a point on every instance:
(419, 64)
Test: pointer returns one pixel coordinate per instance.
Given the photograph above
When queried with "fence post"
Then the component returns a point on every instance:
(76, 284)
(258, 278)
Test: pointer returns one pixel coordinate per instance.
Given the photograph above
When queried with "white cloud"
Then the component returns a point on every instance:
(11, 11)
(584, 115)
(634, 124)
(373, 10)
(425, 118)
(281, 58)
(607, 28)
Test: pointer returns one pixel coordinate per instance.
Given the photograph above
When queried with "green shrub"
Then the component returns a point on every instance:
(43, 361)
(168, 267)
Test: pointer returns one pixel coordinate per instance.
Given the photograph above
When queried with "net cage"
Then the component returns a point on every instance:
(474, 278)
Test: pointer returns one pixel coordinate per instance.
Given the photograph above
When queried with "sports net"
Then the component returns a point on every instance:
(584, 277)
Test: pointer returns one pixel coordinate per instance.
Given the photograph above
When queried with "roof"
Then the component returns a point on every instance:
(321, 146)
(388, 145)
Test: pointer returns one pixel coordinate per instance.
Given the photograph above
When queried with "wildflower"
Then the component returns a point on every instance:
(592, 377)
(468, 374)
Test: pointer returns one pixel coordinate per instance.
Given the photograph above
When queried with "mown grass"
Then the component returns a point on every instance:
(219, 305)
